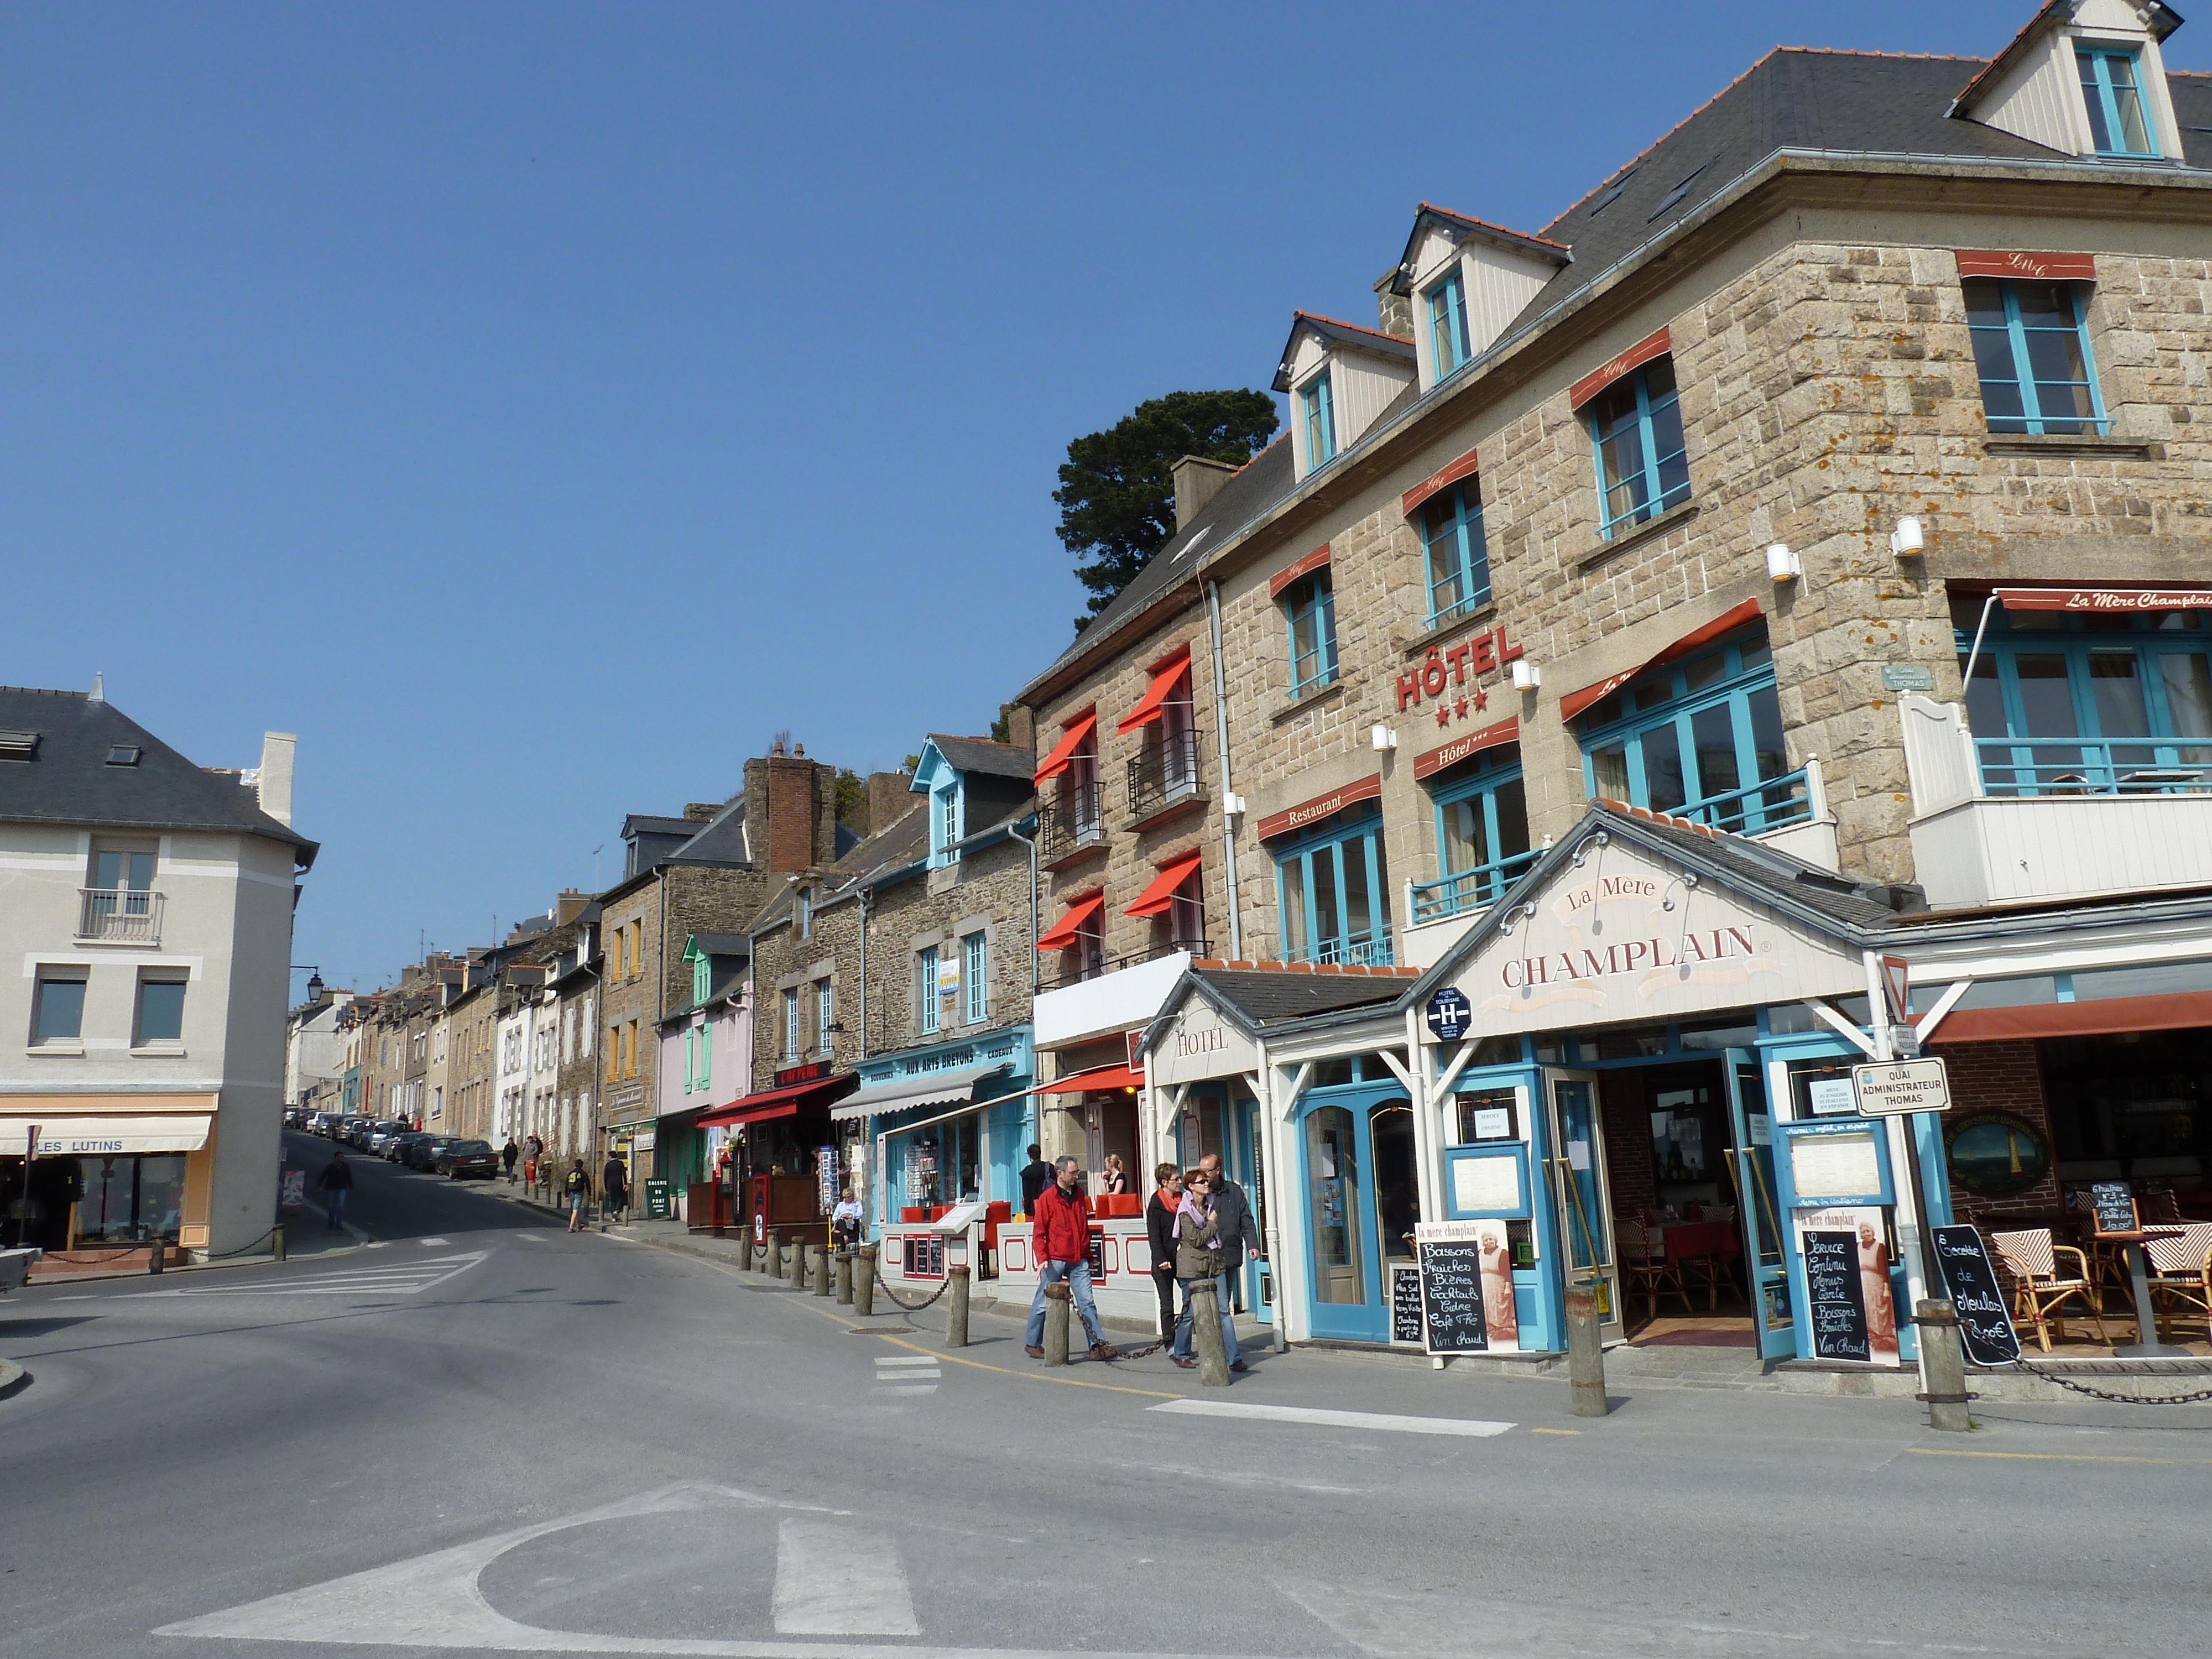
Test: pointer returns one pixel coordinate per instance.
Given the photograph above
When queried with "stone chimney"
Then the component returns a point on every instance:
(1393, 312)
(889, 799)
(570, 905)
(276, 785)
(1197, 481)
(700, 811)
(1021, 725)
(791, 813)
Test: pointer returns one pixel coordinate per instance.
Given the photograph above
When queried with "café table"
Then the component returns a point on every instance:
(1694, 1241)
(2147, 1345)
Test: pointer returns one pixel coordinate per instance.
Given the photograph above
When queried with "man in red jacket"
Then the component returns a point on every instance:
(1060, 1237)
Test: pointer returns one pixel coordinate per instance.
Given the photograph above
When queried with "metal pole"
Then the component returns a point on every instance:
(1221, 739)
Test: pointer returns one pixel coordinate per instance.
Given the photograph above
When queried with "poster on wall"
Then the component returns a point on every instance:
(826, 1177)
(1868, 1260)
(1467, 1269)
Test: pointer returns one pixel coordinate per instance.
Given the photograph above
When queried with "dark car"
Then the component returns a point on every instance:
(379, 1135)
(424, 1153)
(396, 1149)
(463, 1159)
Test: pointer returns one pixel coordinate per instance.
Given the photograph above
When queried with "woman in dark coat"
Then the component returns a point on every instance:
(1159, 1222)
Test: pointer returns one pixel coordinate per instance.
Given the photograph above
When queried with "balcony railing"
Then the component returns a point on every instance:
(1469, 890)
(2135, 766)
(120, 916)
(1097, 965)
(1165, 774)
(1776, 803)
(1371, 949)
(1074, 821)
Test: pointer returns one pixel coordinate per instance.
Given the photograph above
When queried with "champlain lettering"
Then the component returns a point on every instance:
(1633, 956)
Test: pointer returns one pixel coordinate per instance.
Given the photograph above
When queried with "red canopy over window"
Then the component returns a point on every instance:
(1575, 701)
(1062, 933)
(1063, 752)
(778, 1102)
(1163, 683)
(1111, 1077)
(1161, 894)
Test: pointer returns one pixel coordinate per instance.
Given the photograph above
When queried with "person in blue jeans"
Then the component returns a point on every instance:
(334, 1181)
(1198, 1257)
(1060, 1238)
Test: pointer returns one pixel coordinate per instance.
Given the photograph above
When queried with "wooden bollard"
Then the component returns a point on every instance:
(821, 1270)
(799, 1247)
(955, 1316)
(1585, 1352)
(1206, 1333)
(1949, 1408)
(772, 1259)
(864, 1280)
(845, 1277)
(744, 1249)
(1055, 1323)
(277, 1244)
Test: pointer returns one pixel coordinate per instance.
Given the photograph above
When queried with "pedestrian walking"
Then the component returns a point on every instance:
(533, 1150)
(507, 1154)
(1116, 1178)
(578, 1190)
(614, 1189)
(1199, 1257)
(1037, 1175)
(1159, 1224)
(334, 1183)
(1061, 1241)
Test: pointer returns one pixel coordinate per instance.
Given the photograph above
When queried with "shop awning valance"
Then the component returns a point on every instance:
(952, 1086)
(1316, 560)
(1496, 735)
(1164, 678)
(778, 1102)
(1575, 701)
(1063, 752)
(2115, 601)
(1062, 933)
(105, 1137)
(1644, 351)
(1111, 1077)
(1441, 479)
(1161, 894)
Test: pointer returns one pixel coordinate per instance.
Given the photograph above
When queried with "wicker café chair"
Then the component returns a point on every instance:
(2108, 1261)
(1650, 1268)
(2030, 1260)
(2181, 1271)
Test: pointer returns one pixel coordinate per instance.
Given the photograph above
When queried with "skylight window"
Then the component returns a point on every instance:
(1612, 195)
(1675, 196)
(19, 746)
(124, 754)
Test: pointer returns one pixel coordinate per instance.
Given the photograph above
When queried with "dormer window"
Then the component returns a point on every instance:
(1339, 378)
(1447, 336)
(945, 821)
(803, 908)
(2088, 78)
(1466, 280)
(2111, 87)
(1317, 410)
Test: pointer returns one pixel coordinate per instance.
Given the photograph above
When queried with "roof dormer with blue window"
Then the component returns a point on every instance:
(1467, 280)
(1339, 378)
(972, 785)
(2084, 78)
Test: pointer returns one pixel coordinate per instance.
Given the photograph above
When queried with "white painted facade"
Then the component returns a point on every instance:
(1498, 282)
(2038, 96)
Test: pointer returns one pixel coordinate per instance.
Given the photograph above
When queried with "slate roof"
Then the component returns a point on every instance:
(723, 835)
(982, 755)
(723, 944)
(69, 781)
(1265, 996)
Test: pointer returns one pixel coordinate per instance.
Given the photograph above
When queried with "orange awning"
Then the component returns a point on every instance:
(1111, 1077)
(1163, 682)
(1062, 933)
(1575, 701)
(1161, 894)
(1063, 752)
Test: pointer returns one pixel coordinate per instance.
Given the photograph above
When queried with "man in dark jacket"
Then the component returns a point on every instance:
(1059, 1238)
(507, 1154)
(1159, 1224)
(334, 1181)
(614, 1189)
(1240, 1236)
(1037, 1175)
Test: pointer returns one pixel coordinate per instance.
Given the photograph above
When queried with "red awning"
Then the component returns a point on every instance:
(1314, 560)
(1063, 752)
(2179, 1011)
(1604, 374)
(1163, 682)
(1111, 1077)
(1575, 701)
(778, 1102)
(1442, 478)
(1062, 933)
(2117, 600)
(1161, 894)
(1493, 736)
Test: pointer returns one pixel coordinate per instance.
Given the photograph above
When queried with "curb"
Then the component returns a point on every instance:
(14, 1379)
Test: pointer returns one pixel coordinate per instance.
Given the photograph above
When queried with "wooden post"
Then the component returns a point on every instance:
(1055, 1323)
(864, 1281)
(1585, 1352)
(744, 1249)
(276, 1241)
(799, 1247)
(772, 1261)
(845, 1276)
(1949, 1408)
(956, 1317)
(821, 1270)
(1206, 1333)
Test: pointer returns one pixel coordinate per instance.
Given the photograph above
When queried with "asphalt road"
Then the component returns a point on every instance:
(483, 1434)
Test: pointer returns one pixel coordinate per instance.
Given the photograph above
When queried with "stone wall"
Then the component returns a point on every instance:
(987, 891)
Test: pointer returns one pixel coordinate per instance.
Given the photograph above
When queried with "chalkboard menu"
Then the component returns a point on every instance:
(2114, 1206)
(1834, 1298)
(1971, 1280)
(1452, 1296)
(1406, 1304)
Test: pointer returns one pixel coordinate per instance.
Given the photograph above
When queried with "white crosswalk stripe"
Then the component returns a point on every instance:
(410, 1279)
(906, 1374)
(439, 1241)
(835, 1580)
(532, 1239)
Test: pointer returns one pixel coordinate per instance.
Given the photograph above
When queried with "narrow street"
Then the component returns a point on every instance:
(482, 1434)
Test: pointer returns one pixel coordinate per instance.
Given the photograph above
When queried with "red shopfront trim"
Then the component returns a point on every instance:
(2112, 1017)
(1726, 622)
(1496, 735)
(1627, 363)
(1320, 807)
(2041, 267)
(1305, 567)
(1444, 478)
(2117, 600)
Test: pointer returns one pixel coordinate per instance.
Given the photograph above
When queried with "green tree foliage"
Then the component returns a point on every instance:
(852, 800)
(1116, 495)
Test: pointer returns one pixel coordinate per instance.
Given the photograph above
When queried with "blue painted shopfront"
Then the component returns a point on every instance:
(1221, 1117)
(971, 1140)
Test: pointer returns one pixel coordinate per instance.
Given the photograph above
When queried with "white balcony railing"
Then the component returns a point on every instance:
(120, 916)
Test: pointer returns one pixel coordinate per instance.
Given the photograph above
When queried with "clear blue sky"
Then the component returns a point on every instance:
(538, 408)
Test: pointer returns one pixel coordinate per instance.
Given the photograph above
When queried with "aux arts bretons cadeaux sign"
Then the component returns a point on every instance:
(1623, 938)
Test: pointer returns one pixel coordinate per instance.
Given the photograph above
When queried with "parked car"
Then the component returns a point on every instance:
(380, 1133)
(468, 1158)
(344, 1128)
(424, 1154)
(397, 1148)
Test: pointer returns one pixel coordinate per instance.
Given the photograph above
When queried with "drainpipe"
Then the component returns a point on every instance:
(1032, 846)
(865, 892)
(1221, 741)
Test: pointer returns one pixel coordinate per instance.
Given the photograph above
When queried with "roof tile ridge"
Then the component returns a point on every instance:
(1254, 460)
(1338, 322)
(1488, 224)
(1858, 51)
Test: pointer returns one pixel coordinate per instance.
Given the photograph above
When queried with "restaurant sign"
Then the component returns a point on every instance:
(1200, 1044)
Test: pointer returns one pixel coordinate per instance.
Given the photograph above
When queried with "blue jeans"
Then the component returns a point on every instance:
(1077, 1275)
(334, 1206)
(1181, 1349)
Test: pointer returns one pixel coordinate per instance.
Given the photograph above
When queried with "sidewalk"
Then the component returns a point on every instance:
(305, 1235)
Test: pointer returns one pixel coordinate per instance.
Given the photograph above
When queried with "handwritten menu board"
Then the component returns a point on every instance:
(2114, 1206)
(1972, 1280)
(1406, 1304)
(1834, 1299)
(1452, 1296)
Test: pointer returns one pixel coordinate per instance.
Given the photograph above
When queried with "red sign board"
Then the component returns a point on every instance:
(813, 1072)
(1305, 567)
(1629, 361)
(1320, 807)
(2118, 599)
(1459, 749)
(1442, 478)
(2042, 267)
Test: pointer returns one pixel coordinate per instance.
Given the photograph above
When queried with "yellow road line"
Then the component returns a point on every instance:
(2047, 1457)
(1555, 1430)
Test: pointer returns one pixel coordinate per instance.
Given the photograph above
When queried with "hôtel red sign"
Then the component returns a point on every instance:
(1444, 676)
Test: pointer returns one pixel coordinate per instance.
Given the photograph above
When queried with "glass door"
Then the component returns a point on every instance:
(1340, 1226)
(1751, 1160)
(1578, 1188)
(1247, 1167)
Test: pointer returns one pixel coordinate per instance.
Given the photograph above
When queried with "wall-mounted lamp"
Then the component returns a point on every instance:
(1686, 882)
(1525, 676)
(1232, 805)
(1782, 563)
(1905, 539)
(1513, 917)
(1601, 840)
(1383, 738)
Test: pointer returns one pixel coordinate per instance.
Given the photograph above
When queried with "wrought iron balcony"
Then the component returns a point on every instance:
(120, 916)
(1072, 823)
(1165, 774)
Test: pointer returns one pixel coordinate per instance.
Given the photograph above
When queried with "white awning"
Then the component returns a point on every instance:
(949, 1087)
(104, 1137)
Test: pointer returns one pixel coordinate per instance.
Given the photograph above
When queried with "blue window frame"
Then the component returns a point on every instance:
(1701, 739)
(1309, 609)
(972, 981)
(825, 1013)
(926, 994)
(1320, 410)
(1643, 461)
(944, 821)
(2072, 705)
(1449, 344)
(1482, 835)
(1459, 558)
(2032, 351)
(1333, 892)
(2112, 86)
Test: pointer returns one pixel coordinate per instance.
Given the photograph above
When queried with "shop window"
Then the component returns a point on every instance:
(1701, 738)
(160, 1009)
(131, 1199)
(1449, 345)
(1459, 558)
(2032, 351)
(925, 996)
(973, 978)
(1334, 892)
(1309, 608)
(1165, 770)
(2112, 88)
(1482, 836)
(1642, 460)
(59, 1013)
(1317, 407)
(2063, 704)
(2131, 1107)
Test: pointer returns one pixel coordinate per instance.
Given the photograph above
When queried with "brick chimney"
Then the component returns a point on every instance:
(701, 811)
(570, 906)
(889, 799)
(790, 812)
(1197, 481)
(1393, 312)
(1021, 725)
